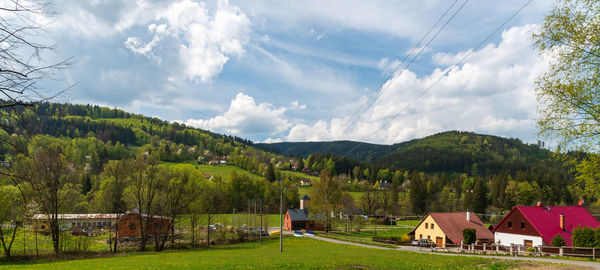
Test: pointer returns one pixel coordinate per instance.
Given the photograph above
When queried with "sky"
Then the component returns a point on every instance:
(274, 71)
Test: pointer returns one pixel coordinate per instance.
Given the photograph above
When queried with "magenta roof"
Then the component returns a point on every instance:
(545, 220)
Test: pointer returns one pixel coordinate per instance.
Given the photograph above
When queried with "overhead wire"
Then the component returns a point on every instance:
(377, 93)
(428, 89)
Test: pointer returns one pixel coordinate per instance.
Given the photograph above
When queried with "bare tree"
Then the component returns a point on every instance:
(22, 49)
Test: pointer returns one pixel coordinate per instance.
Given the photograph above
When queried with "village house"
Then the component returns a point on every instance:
(88, 222)
(538, 225)
(297, 219)
(129, 225)
(447, 228)
(305, 182)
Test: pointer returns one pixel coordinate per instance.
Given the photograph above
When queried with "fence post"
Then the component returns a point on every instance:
(560, 251)
(484, 248)
(497, 248)
(594, 253)
(461, 246)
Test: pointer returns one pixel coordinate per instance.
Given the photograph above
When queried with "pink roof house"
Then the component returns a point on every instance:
(538, 225)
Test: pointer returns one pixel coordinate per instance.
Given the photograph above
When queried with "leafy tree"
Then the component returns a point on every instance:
(558, 241)
(325, 195)
(469, 235)
(569, 91)
(11, 212)
(44, 171)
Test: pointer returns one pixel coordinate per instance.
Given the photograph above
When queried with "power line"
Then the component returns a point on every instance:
(376, 94)
(423, 93)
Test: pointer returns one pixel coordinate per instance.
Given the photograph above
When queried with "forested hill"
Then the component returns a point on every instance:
(365, 152)
(70, 120)
(456, 151)
(451, 151)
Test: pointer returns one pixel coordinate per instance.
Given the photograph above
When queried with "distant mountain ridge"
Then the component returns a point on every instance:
(451, 151)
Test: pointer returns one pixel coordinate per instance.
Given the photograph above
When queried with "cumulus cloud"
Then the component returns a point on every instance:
(492, 92)
(207, 41)
(245, 116)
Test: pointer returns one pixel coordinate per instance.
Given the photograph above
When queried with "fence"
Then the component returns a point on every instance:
(522, 250)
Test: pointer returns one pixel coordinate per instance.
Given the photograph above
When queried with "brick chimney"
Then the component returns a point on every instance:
(468, 216)
(562, 221)
(539, 204)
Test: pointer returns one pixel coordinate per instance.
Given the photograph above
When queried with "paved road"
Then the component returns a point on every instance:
(584, 264)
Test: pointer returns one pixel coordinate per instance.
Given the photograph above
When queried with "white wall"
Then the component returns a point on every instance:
(508, 238)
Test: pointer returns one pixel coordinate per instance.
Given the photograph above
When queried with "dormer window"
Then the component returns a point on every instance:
(510, 224)
(426, 225)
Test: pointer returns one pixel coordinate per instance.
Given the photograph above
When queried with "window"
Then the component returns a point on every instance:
(429, 237)
(522, 225)
(132, 226)
(510, 224)
(426, 226)
(528, 243)
(432, 226)
(420, 236)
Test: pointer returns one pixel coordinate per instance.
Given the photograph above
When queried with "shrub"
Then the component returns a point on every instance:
(558, 241)
(469, 235)
(584, 237)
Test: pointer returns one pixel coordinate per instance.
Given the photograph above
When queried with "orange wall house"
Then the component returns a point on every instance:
(129, 225)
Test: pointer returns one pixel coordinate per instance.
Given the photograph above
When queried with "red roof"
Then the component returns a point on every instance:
(453, 224)
(545, 220)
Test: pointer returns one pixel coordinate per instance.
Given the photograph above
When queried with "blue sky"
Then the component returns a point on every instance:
(299, 70)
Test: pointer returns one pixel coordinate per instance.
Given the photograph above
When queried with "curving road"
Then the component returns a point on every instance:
(582, 264)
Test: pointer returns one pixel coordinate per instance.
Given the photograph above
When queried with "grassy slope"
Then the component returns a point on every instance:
(299, 253)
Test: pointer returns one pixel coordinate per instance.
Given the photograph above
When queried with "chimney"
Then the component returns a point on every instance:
(562, 221)
(539, 204)
(468, 216)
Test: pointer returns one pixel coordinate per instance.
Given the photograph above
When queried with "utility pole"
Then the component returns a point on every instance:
(261, 225)
(233, 219)
(281, 190)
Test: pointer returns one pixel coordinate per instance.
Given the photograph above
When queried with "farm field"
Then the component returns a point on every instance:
(299, 253)
(215, 170)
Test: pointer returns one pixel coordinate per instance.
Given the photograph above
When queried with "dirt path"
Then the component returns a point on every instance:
(579, 264)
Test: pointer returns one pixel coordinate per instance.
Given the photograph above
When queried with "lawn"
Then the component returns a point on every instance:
(215, 170)
(299, 253)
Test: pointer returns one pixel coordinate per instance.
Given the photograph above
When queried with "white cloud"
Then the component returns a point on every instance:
(245, 116)
(207, 41)
(388, 65)
(271, 140)
(492, 92)
(297, 106)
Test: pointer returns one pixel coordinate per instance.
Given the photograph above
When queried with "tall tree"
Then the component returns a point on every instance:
(569, 91)
(325, 195)
(11, 213)
(45, 172)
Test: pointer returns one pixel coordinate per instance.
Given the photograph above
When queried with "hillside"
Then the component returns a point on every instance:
(456, 151)
(451, 151)
(364, 152)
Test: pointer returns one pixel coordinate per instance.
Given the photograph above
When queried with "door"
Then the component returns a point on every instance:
(439, 242)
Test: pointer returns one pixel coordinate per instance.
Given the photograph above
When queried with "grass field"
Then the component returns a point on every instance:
(299, 253)
(215, 170)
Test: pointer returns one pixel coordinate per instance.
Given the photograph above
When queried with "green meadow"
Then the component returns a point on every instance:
(299, 253)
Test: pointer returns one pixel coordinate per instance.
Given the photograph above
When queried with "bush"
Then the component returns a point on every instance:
(558, 241)
(469, 235)
(584, 237)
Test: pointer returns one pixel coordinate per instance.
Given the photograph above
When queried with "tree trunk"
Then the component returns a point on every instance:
(208, 232)
(193, 230)
(55, 235)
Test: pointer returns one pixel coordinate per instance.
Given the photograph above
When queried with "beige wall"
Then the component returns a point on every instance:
(429, 233)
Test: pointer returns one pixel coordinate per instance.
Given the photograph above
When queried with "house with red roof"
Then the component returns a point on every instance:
(538, 225)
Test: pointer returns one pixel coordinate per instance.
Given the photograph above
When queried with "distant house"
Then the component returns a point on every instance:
(129, 225)
(89, 222)
(213, 162)
(447, 228)
(384, 185)
(208, 176)
(295, 166)
(305, 182)
(297, 219)
(538, 225)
